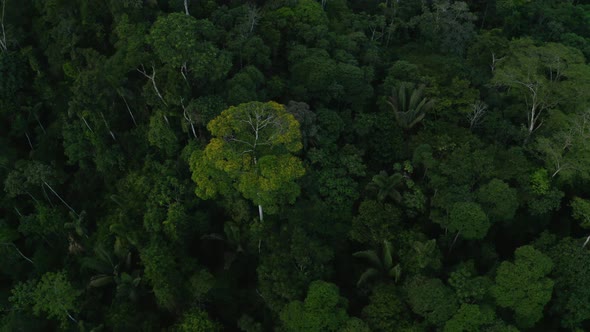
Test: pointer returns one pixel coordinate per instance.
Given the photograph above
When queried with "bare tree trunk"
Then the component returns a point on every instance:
(261, 216)
(152, 78)
(183, 71)
(129, 109)
(61, 199)
(10, 244)
(33, 197)
(47, 196)
(586, 242)
(29, 140)
(186, 7)
(454, 241)
(485, 14)
(87, 125)
(188, 118)
(107, 125)
(3, 43)
(39, 122)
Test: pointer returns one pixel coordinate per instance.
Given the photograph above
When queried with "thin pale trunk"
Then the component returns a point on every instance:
(260, 214)
(61, 199)
(3, 43)
(152, 78)
(188, 119)
(485, 14)
(71, 318)
(29, 140)
(193, 128)
(186, 7)
(19, 252)
(87, 125)
(586, 242)
(107, 125)
(454, 241)
(183, 71)
(40, 124)
(46, 196)
(129, 109)
(33, 197)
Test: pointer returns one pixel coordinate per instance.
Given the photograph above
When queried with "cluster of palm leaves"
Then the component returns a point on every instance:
(409, 104)
(384, 186)
(381, 266)
(108, 268)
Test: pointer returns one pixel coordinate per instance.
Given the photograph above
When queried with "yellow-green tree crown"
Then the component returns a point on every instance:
(251, 153)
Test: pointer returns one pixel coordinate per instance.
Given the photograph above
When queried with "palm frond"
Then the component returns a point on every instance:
(371, 256)
(395, 272)
(368, 274)
(101, 280)
(387, 255)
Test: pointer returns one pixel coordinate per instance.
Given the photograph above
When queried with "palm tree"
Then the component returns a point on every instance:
(108, 269)
(409, 104)
(384, 186)
(381, 266)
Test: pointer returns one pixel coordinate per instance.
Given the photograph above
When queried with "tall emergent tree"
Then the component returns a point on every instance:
(251, 153)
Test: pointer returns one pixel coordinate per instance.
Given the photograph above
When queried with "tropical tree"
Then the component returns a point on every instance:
(523, 286)
(431, 299)
(385, 186)
(53, 296)
(323, 310)
(570, 301)
(251, 153)
(545, 77)
(470, 317)
(409, 104)
(469, 220)
(381, 266)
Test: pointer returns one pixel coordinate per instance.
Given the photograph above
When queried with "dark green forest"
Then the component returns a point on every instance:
(295, 165)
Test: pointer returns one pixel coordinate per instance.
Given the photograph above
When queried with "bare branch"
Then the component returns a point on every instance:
(152, 78)
(187, 117)
(479, 109)
(253, 17)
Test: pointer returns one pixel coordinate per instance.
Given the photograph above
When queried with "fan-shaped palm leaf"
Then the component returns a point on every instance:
(409, 104)
(382, 266)
(369, 273)
(371, 256)
(385, 186)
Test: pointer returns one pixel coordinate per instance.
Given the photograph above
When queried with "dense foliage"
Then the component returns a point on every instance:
(294, 165)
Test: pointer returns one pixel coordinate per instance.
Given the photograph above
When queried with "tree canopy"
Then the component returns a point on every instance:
(294, 165)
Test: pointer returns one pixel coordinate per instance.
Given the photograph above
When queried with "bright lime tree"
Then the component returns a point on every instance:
(251, 153)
